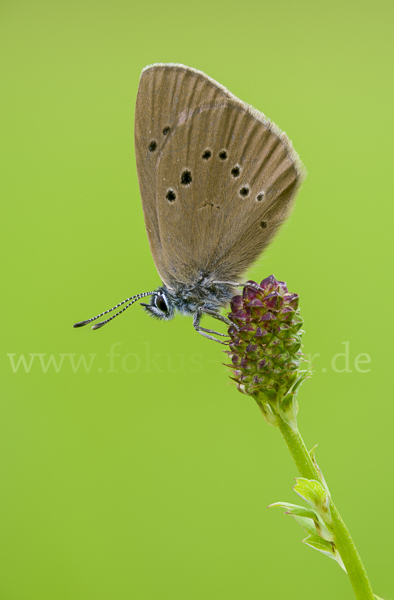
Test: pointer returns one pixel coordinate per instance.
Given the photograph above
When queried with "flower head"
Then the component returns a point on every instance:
(265, 347)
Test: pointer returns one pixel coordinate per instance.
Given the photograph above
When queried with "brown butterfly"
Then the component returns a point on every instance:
(217, 179)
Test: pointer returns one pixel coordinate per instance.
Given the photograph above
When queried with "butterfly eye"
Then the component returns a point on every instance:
(161, 303)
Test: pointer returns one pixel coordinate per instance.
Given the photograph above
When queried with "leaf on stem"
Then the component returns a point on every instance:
(327, 548)
(316, 495)
(309, 520)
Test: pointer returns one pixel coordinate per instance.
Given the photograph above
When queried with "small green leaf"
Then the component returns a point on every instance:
(308, 525)
(314, 493)
(307, 513)
(313, 457)
(294, 509)
(312, 453)
(303, 375)
(288, 410)
(327, 548)
(309, 520)
(315, 526)
(316, 542)
(268, 413)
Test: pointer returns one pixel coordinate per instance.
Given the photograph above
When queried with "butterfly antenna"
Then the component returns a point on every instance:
(98, 325)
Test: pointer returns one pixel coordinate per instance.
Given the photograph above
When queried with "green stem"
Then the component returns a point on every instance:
(343, 542)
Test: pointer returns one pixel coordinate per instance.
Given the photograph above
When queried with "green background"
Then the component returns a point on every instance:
(150, 479)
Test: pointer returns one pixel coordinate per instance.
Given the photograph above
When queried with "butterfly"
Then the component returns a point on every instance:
(217, 179)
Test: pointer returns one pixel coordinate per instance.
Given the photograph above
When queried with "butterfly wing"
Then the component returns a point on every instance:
(216, 177)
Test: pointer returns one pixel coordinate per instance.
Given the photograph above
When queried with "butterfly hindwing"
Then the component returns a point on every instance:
(216, 177)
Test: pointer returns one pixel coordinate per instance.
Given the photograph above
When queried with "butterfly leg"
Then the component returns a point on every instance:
(216, 315)
(205, 332)
(212, 331)
(219, 317)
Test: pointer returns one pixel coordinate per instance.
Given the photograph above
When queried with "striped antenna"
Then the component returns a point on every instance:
(98, 325)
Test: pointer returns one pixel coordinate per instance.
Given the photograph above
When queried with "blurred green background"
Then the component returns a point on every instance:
(146, 475)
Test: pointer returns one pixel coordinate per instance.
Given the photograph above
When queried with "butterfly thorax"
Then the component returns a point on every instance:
(187, 299)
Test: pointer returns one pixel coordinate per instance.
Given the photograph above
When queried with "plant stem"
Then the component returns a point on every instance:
(343, 542)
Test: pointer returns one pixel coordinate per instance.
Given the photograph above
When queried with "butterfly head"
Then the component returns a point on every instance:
(160, 305)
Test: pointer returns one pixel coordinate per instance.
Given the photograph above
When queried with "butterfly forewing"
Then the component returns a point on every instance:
(216, 177)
